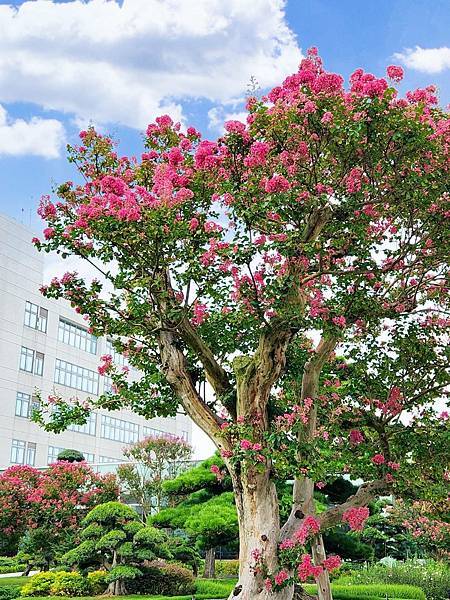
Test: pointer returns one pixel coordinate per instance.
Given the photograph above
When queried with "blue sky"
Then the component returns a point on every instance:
(120, 64)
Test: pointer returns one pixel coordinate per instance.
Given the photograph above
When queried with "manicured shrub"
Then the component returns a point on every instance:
(9, 592)
(373, 592)
(70, 455)
(433, 577)
(97, 582)
(69, 584)
(163, 578)
(39, 584)
(227, 568)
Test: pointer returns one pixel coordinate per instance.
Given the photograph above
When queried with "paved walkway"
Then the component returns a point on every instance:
(16, 574)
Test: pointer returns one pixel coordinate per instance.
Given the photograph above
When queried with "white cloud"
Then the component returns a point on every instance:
(217, 116)
(427, 60)
(39, 137)
(128, 62)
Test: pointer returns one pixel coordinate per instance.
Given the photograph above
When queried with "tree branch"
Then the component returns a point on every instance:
(365, 494)
(176, 370)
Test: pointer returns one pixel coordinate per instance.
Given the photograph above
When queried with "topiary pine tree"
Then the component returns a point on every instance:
(202, 508)
(321, 216)
(114, 538)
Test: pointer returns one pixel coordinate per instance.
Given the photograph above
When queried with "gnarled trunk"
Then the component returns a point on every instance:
(116, 588)
(259, 530)
(210, 564)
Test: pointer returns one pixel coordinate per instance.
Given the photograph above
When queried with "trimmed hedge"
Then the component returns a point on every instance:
(162, 578)
(373, 592)
(227, 568)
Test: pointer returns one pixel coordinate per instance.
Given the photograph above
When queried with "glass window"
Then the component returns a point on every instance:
(31, 361)
(38, 363)
(108, 459)
(26, 359)
(36, 317)
(52, 454)
(76, 336)
(76, 377)
(108, 384)
(23, 404)
(185, 435)
(151, 432)
(119, 430)
(89, 427)
(18, 448)
(31, 454)
(89, 456)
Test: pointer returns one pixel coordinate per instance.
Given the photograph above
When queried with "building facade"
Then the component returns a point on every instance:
(45, 345)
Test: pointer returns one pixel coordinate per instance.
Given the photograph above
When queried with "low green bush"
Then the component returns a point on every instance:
(163, 578)
(9, 592)
(69, 584)
(97, 582)
(433, 577)
(39, 584)
(227, 568)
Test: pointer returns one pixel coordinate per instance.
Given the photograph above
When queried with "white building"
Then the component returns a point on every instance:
(45, 344)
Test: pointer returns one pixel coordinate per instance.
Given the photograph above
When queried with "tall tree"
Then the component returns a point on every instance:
(322, 216)
(155, 459)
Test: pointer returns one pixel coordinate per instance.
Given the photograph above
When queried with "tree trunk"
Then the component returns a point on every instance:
(27, 570)
(210, 564)
(116, 588)
(323, 581)
(259, 530)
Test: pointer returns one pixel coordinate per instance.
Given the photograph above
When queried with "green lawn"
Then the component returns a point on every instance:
(220, 588)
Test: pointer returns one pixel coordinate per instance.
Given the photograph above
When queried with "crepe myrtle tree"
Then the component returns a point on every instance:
(155, 459)
(324, 213)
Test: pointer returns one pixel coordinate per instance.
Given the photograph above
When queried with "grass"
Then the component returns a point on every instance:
(220, 588)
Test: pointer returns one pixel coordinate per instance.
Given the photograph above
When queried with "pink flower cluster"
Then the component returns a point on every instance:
(307, 568)
(394, 73)
(310, 526)
(356, 437)
(356, 517)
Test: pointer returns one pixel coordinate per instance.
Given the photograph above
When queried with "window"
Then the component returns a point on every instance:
(52, 454)
(108, 459)
(76, 377)
(119, 430)
(108, 384)
(31, 361)
(89, 456)
(150, 431)
(76, 336)
(36, 317)
(18, 452)
(89, 427)
(23, 453)
(31, 454)
(185, 435)
(25, 404)
(118, 358)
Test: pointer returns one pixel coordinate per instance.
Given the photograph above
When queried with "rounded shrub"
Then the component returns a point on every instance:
(167, 579)
(70, 455)
(39, 584)
(97, 582)
(69, 584)
(227, 568)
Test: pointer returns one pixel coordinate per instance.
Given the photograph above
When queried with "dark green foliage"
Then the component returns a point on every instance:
(349, 547)
(199, 477)
(339, 490)
(184, 552)
(163, 578)
(70, 455)
(9, 593)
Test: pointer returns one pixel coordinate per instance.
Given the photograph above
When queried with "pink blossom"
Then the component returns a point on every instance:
(193, 224)
(327, 118)
(378, 459)
(356, 517)
(215, 469)
(277, 183)
(246, 445)
(332, 562)
(281, 577)
(339, 321)
(49, 232)
(234, 127)
(395, 73)
(356, 437)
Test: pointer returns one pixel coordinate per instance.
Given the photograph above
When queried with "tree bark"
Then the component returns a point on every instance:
(116, 588)
(210, 564)
(259, 530)
(323, 581)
